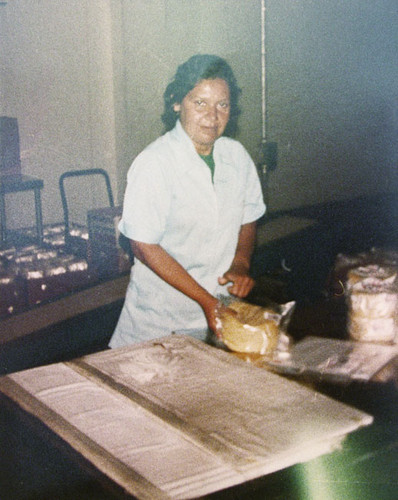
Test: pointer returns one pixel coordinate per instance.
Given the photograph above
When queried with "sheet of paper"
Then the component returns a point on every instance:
(336, 359)
(177, 418)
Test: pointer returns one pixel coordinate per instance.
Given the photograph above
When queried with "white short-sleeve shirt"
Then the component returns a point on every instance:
(171, 200)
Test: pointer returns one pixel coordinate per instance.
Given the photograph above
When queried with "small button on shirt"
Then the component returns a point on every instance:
(171, 200)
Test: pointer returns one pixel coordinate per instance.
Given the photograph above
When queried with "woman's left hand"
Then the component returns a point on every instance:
(242, 283)
(238, 273)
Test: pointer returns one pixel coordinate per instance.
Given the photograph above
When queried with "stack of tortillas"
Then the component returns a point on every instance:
(253, 329)
(372, 294)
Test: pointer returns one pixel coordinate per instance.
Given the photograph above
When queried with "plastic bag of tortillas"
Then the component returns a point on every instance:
(248, 328)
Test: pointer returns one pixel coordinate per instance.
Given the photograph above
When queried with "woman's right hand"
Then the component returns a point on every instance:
(214, 310)
(167, 268)
(210, 308)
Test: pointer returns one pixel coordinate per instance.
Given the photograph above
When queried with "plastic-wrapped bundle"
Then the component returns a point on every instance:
(345, 263)
(372, 298)
(255, 329)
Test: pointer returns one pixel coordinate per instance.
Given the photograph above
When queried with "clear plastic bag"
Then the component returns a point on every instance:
(248, 328)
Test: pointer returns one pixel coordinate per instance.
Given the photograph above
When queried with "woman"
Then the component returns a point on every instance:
(190, 207)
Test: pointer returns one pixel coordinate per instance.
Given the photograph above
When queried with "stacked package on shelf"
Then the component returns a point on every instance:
(370, 284)
(107, 255)
(12, 291)
(49, 274)
(32, 275)
(54, 237)
(77, 241)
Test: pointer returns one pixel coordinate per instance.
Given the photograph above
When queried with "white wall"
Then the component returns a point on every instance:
(58, 81)
(85, 80)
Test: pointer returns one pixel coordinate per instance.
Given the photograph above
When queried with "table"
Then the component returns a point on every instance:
(176, 418)
(20, 183)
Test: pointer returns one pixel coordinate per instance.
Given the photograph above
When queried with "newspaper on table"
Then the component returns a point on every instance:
(176, 418)
(336, 360)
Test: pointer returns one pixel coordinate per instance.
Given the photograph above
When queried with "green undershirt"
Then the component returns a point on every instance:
(209, 160)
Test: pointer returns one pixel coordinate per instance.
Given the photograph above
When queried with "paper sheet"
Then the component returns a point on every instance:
(336, 360)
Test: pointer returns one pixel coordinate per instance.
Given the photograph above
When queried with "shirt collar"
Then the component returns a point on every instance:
(185, 147)
(178, 133)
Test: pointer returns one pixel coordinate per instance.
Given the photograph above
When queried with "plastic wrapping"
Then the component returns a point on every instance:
(247, 328)
(372, 299)
(32, 275)
(344, 263)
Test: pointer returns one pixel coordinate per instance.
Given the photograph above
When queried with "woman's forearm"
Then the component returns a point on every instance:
(245, 246)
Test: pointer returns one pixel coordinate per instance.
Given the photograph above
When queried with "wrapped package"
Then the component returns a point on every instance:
(372, 299)
(107, 255)
(77, 241)
(12, 294)
(54, 235)
(344, 263)
(12, 291)
(32, 275)
(255, 329)
(49, 279)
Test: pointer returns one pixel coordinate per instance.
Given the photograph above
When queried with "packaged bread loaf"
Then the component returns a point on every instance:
(254, 329)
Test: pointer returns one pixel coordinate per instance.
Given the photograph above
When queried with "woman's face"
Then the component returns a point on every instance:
(204, 113)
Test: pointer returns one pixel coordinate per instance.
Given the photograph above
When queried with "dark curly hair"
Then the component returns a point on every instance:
(188, 75)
